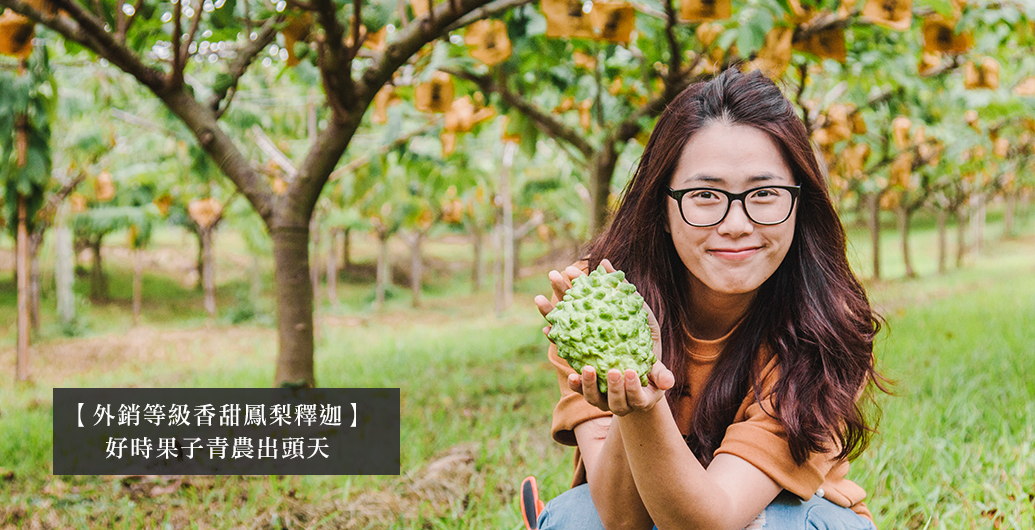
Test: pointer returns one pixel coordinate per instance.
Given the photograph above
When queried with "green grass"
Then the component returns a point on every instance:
(954, 447)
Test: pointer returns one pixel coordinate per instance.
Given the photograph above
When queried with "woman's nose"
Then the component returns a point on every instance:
(736, 223)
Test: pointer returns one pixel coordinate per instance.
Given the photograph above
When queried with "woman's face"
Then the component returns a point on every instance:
(737, 255)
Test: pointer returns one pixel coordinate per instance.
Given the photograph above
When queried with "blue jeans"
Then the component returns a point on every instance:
(574, 510)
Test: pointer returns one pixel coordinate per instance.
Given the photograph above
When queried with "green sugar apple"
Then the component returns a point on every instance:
(602, 322)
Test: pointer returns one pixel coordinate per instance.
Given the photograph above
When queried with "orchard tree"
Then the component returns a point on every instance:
(162, 44)
(26, 101)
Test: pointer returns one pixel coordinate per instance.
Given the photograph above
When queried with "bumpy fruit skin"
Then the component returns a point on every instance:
(602, 322)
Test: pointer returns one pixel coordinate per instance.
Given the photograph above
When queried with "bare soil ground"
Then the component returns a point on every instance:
(56, 362)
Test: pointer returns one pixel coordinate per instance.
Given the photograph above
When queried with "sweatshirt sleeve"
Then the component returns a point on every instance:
(572, 409)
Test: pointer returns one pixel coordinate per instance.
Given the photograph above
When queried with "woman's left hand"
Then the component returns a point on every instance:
(624, 394)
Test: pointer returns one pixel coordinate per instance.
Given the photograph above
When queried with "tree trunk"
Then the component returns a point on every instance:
(138, 284)
(35, 242)
(961, 237)
(294, 306)
(904, 214)
(98, 283)
(498, 268)
(861, 214)
(199, 266)
(346, 249)
(314, 268)
(332, 268)
(477, 271)
(943, 250)
(64, 271)
(416, 266)
(516, 260)
(383, 270)
(873, 202)
(507, 243)
(256, 280)
(1008, 215)
(977, 221)
(602, 169)
(208, 271)
(314, 273)
(22, 272)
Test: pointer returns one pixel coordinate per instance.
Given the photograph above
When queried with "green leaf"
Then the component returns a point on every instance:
(223, 16)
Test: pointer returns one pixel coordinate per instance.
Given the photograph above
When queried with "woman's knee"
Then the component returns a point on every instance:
(788, 512)
(572, 509)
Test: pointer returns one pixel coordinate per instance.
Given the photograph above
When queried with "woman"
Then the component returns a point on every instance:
(764, 335)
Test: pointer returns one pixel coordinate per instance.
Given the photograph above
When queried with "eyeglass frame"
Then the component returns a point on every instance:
(795, 191)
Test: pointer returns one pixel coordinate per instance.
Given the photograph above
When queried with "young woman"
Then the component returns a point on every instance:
(764, 335)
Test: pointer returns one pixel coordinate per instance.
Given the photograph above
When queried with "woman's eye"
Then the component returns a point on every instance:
(703, 195)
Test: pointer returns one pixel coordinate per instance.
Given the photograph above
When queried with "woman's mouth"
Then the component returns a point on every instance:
(734, 254)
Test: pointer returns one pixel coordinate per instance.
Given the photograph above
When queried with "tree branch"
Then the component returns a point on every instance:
(550, 125)
(799, 98)
(365, 159)
(194, 23)
(954, 64)
(271, 150)
(120, 21)
(45, 215)
(221, 149)
(675, 59)
(142, 122)
(82, 27)
(487, 11)
(349, 100)
(335, 61)
(357, 24)
(631, 126)
(242, 61)
(176, 75)
(824, 22)
(408, 41)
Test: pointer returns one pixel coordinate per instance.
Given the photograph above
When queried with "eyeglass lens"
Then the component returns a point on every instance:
(764, 206)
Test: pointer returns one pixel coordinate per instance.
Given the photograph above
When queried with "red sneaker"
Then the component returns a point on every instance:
(531, 506)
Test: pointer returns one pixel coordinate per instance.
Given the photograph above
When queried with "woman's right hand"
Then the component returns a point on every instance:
(624, 392)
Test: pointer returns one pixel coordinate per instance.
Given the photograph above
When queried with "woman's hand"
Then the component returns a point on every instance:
(624, 392)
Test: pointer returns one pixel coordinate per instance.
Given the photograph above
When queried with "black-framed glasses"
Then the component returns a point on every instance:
(764, 205)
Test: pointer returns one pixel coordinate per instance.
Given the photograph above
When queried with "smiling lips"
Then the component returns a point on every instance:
(734, 254)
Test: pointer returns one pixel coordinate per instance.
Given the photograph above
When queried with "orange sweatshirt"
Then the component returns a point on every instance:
(754, 435)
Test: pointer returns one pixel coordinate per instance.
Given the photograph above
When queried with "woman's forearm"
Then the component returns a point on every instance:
(675, 489)
(612, 487)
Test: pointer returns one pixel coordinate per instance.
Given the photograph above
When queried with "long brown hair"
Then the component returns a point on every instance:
(812, 314)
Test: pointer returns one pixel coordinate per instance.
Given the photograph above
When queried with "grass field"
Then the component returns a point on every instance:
(954, 449)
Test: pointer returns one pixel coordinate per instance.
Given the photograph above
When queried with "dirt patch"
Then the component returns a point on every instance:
(55, 362)
(442, 488)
